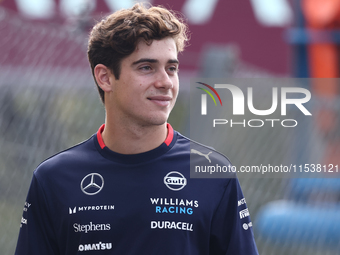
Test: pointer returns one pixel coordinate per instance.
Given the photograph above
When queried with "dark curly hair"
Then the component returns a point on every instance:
(117, 36)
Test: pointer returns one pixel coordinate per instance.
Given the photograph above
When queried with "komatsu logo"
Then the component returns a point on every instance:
(175, 181)
(95, 247)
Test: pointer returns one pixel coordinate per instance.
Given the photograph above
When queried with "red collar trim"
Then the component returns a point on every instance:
(167, 141)
(170, 136)
(99, 136)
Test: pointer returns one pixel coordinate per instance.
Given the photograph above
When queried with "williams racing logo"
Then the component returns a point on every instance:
(175, 181)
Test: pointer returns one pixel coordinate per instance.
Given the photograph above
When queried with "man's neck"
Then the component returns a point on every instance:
(133, 139)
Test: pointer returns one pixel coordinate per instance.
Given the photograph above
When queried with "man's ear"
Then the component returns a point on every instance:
(102, 75)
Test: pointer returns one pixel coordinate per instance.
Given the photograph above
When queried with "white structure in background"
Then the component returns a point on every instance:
(76, 7)
(36, 9)
(199, 11)
(268, 12)
(115, 5)
(273, 13)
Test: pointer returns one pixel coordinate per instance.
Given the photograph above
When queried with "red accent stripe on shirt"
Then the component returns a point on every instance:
(167, 141)
(170, 136)
(99, 136)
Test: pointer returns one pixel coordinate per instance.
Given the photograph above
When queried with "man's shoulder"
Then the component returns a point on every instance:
(206, 162)
(204, 151)
(72, 157)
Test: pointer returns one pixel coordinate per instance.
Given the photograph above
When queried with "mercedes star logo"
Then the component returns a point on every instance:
(92, 184)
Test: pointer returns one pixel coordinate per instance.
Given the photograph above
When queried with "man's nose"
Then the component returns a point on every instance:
(163, 80)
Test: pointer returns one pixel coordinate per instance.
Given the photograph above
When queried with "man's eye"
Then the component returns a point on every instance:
(147, 68)
(173, 69)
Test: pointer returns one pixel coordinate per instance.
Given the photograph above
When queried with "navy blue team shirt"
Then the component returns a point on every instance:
(91, 200)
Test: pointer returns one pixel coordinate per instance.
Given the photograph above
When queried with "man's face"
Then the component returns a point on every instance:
(148, 84)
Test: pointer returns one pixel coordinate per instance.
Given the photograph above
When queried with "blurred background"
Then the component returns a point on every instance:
(49, 102)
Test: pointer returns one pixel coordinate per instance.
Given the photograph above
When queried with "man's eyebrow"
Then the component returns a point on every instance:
(149, 60)
(173, 61)
(152, 60)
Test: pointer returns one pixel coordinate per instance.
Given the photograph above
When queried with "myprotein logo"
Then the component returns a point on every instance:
(87, 208)
(238, 108)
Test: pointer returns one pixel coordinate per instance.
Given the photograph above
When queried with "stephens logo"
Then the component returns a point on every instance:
(91, 227)
(204, 97)
(175, 181)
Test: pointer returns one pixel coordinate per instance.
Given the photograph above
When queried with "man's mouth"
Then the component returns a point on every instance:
(160, 100)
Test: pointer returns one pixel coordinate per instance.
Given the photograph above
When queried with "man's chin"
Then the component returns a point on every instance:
(155, 122)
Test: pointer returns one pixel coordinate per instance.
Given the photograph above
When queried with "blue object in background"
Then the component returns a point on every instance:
(287, 222)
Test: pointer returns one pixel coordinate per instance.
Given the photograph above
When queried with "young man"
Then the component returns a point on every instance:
(127, 190)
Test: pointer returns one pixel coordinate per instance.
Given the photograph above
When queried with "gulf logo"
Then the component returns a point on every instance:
(175, 181)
